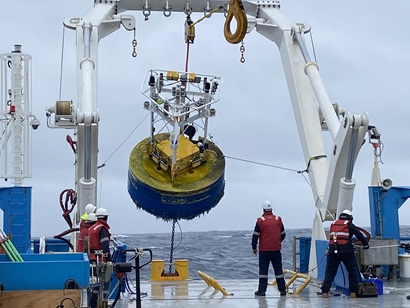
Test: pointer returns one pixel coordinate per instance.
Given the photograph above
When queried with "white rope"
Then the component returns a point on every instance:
(386, 246)
(139, 251)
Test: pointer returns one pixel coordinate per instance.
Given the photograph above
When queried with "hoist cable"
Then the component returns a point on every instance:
(282, 168)
(262, 164)
(61, 64)
(121, 144)
(187, 57)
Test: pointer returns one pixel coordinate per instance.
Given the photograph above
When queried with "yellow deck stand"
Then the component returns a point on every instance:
(295, 275)
(181, 270)
(212, 282)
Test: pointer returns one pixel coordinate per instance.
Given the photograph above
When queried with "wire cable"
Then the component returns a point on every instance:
(301, 172)
(261, 164)
(122, 143)
(61, 63)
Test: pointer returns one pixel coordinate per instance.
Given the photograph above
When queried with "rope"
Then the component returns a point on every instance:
(321, 260)
(187, 57)
(9, 248)
(310, 160)
(262, 164)
(286, 169)
(64, 299)
(72, 143)
(208, 14)
(121, 144)
(191, 30)
(72, 197)
(61, 63)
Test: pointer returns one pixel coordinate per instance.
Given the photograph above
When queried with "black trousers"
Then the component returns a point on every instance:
(265, 258)
(333, 262)
(94, 292)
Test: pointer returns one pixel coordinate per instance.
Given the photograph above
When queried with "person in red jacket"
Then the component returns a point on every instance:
(100, 237)
(270, 232)
(341, 250)
(90, 220)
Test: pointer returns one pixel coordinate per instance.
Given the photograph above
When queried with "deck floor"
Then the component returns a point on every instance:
(196, 293)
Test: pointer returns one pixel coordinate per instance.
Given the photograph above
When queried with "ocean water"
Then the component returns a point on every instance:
(220, 254)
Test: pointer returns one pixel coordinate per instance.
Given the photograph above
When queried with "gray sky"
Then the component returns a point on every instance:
(362, 49)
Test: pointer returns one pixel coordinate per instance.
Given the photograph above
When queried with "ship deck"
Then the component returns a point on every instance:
(196, 293)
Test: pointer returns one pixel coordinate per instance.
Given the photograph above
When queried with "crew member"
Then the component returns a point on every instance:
(270, 232)
(91, 219)
(341, 250)
(89, 208)
(99, 235)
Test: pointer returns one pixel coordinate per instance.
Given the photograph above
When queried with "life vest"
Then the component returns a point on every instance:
(270, 227)
(83, 233)
(83, 224)
(339, 232)
(93, 234)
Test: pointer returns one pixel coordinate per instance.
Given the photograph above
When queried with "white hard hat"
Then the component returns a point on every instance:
(91, 217)
(101, 212)
(89, 208)
(346, 214)
(267, 206)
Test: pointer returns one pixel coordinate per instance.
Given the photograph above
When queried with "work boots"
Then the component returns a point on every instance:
(260, 293)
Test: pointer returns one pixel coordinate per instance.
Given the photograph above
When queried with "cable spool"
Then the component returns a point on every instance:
(63, 108)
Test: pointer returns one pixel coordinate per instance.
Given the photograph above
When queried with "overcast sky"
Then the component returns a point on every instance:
(362, 48)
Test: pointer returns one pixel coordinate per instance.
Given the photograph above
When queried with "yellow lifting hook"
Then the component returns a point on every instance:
(236, 10)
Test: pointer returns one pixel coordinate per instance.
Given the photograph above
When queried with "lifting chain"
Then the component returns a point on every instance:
(171, 255)
(242, 50)
(134, 45)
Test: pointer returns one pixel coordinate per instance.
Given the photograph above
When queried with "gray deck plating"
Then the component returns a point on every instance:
(196, 293)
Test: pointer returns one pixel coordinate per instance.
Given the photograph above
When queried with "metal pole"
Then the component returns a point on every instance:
(294, 254)
(138, 280)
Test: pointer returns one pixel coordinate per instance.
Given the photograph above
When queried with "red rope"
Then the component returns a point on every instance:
(72, 143)
(187, 57)
(366, 234)
(71, 196)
